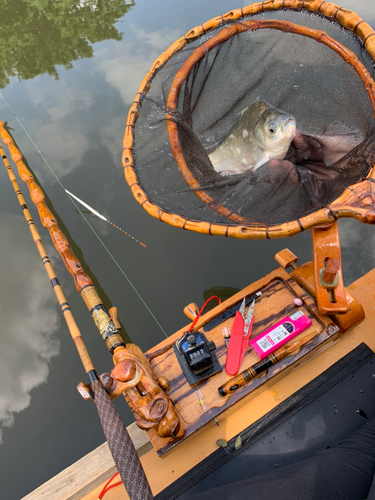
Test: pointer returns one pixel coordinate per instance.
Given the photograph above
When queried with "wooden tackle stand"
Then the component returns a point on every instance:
(198, 405)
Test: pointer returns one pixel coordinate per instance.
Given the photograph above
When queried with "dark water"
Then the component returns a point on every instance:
(70, 70)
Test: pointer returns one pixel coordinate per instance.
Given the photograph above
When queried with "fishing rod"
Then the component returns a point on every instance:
(119, 441)
(106, 326)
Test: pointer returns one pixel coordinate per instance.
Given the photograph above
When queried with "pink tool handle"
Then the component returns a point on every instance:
(233, 362)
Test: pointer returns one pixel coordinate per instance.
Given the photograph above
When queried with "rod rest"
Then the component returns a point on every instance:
(145, 393)
(305, 274)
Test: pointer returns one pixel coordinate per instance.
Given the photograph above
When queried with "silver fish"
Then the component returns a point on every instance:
(263, 132)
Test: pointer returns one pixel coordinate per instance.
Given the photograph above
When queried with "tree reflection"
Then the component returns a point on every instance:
(36, 36)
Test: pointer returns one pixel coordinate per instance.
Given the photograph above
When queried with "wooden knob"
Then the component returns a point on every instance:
(106, 380)
(191, 311)
(113, 316)
(331, 269)
(84, 390)
(286, 258)
(163, 383)
(124, 370)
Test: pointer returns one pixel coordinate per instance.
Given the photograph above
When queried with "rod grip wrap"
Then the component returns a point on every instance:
(114, 341)
(91, 297)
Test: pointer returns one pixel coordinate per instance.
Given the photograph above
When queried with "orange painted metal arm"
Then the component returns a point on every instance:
(330, 295)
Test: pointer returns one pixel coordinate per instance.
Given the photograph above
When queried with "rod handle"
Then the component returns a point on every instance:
(232, 385)
(244, 377)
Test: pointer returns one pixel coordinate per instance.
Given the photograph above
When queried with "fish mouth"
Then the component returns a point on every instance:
(289, 121)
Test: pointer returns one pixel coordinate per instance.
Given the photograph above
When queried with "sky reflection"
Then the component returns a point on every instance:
(27, 346)
(141, 50)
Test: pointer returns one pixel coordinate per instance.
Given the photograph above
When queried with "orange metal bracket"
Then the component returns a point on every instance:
(330, 294)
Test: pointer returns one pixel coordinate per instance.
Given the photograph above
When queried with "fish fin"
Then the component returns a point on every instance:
(243, 111)
(264, 159)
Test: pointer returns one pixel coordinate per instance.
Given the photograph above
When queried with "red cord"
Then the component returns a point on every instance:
(107, 487)
(200, 312)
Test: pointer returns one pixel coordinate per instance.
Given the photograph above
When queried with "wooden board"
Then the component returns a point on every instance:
(198, 405)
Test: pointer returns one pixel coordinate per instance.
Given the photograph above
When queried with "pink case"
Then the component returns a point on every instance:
(280, 334)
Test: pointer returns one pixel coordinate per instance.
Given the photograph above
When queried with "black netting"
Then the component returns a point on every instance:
(334, 146)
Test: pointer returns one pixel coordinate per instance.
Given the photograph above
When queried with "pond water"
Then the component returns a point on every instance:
(70, 70)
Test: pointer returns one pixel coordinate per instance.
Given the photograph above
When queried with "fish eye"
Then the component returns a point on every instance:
(272, 128)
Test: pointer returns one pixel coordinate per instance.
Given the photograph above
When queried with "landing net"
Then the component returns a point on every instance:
(200, 94)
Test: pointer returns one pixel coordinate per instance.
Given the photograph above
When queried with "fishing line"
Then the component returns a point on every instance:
(87, 222)
(119, 267)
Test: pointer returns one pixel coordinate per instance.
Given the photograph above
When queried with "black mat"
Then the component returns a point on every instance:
(326, 410)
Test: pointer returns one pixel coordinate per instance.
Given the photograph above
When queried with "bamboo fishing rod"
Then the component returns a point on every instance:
(120, 444)
(64, 306)
(106, 326)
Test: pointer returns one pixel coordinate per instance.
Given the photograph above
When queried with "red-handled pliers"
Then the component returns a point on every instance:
(239, 339)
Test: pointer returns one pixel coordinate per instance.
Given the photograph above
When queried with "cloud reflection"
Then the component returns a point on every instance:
(60, 131)
(112, 134)
(350, 232)
(29, 320)
(357, 248)
(133, 58)
(69, 146)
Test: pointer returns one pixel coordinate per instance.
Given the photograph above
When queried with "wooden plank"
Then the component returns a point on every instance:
(88, 472)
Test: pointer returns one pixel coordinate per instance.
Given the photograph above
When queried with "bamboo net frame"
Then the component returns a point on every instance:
(357, 201)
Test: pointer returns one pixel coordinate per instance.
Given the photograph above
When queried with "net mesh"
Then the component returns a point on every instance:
(334, 145)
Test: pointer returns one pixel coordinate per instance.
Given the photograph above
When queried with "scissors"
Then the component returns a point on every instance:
(241, 332)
